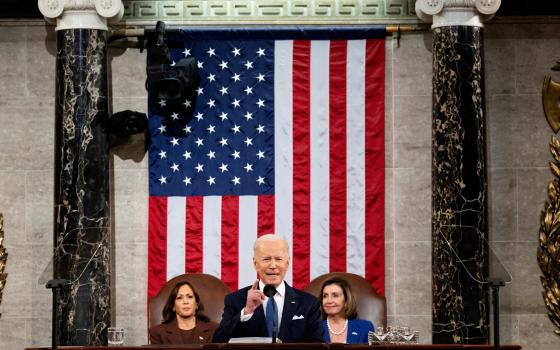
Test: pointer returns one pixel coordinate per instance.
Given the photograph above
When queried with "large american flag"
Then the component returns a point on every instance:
(285, 135)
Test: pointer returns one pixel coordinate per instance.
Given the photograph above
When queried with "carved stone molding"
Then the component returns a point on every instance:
(444, 13)
(82, 14)
(268, 12)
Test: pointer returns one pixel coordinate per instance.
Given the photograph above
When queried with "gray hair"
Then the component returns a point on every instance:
(271, 237)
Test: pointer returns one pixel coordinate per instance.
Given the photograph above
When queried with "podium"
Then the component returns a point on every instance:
(292, 346)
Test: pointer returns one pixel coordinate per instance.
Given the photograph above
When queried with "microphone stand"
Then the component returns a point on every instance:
(56, 286)
(269, 291)
(495, 284)
(274, 322)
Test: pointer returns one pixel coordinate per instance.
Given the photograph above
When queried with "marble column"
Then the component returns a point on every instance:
(459, 184)
(81, 204)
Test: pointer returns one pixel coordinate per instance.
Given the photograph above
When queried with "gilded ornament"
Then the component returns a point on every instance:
(551, 102)
(3, 258)
(548, 252)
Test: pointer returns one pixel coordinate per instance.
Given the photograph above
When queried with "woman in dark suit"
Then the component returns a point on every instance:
(183, 321)
(340, 316)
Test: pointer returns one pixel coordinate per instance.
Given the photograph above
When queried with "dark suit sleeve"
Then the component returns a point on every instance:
(314, 323)
(230, 319)
(155, 335)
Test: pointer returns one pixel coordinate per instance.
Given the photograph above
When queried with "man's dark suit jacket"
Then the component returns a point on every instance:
(301, 318)
(169, 333)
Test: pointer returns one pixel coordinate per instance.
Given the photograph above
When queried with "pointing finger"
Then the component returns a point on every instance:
(255, 285)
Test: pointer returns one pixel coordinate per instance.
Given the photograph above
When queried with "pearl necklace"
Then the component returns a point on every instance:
(341, 331)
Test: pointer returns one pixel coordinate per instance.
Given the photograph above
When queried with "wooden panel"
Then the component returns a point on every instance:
(307, 346)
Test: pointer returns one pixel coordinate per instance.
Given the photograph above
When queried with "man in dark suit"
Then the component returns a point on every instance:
(246, 312)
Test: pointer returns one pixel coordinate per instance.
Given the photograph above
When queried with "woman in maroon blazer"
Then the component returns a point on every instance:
(183, 321)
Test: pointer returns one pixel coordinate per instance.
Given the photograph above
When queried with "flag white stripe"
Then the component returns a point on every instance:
(355, 156)
(248, 223)
(283, 145)
(175, 236)
(211, 236)
(319, 136)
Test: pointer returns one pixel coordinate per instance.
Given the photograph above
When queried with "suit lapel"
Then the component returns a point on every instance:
(201, 333)
(259, 315)
(290, 308)
(354, 331)
(350, 337)
(259, 320)
(173, 332)
(198, 336)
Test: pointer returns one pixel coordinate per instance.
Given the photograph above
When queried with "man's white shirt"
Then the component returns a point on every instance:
(278, 297)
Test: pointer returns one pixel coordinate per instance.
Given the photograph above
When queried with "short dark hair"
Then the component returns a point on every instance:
(350, 309)
(168, 314)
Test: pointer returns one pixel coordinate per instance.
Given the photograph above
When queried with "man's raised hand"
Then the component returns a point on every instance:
(255, 298)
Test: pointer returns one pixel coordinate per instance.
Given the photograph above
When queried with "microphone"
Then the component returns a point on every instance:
(269, 290)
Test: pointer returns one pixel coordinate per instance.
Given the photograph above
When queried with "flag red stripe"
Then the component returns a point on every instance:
(301, 163)
(375, 164)
(337, 159)
(157, 244)
(193, 234)
(230, 238)
(265, 215)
